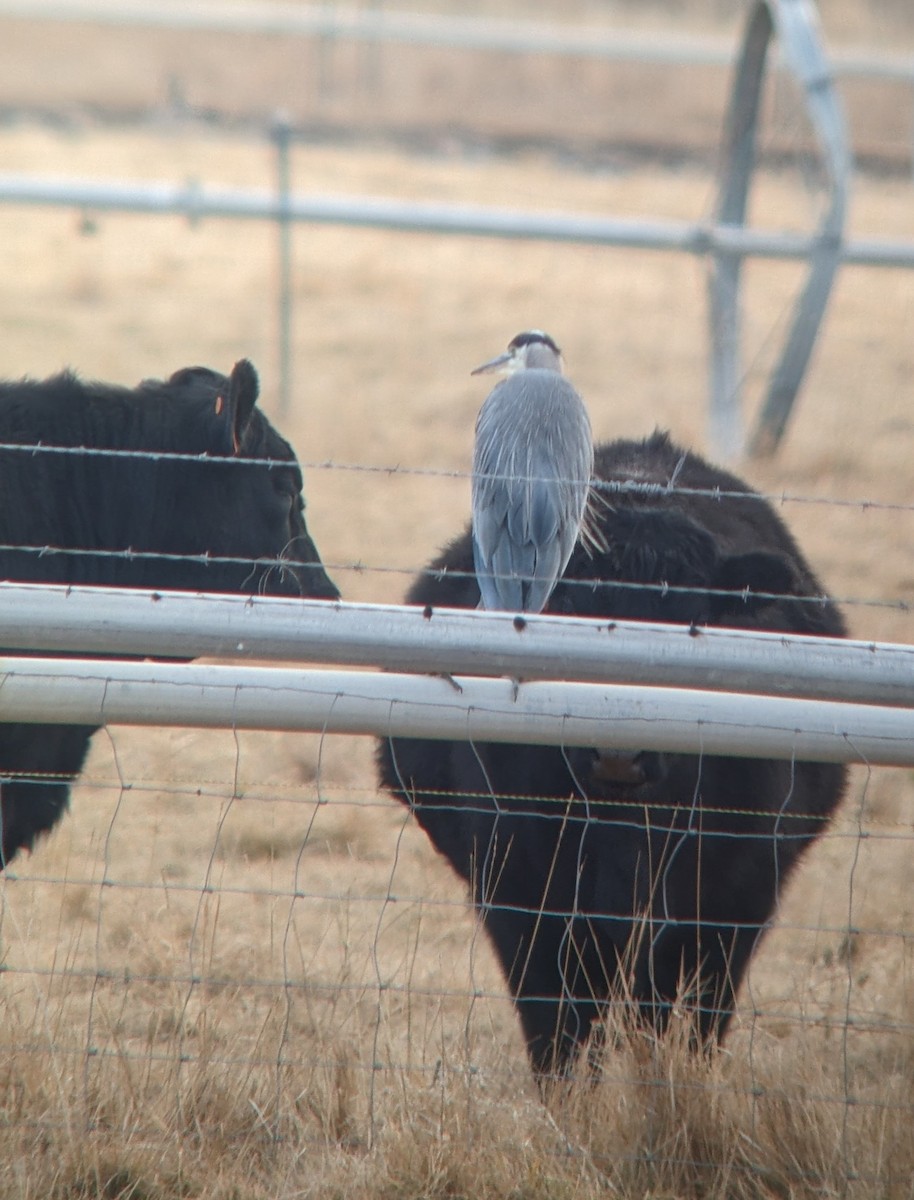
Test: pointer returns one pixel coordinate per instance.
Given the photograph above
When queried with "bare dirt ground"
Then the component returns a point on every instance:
(239, 932)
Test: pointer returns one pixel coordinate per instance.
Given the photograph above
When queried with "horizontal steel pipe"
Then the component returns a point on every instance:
(384, 26)
(89, 692)
(196, 202)
(181, 625)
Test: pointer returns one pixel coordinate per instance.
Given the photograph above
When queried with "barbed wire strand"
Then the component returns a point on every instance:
(636, 486)
(346, 795)
(411, 572)
(533, 806)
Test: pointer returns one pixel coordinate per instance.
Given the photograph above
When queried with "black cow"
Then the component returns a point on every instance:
(649, 876)
(240, 524)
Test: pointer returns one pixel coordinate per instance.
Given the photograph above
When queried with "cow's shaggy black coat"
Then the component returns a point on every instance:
(61, 514)
(650, 876)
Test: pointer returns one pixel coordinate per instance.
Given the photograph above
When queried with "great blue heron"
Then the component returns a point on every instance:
(532, 464)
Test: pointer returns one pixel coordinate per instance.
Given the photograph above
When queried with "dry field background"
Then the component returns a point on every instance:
(236, 970)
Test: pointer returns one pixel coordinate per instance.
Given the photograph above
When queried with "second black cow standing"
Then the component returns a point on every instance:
(653, 876)
(202, 491)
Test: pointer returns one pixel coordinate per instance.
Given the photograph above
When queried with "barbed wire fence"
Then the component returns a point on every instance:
(309, 905)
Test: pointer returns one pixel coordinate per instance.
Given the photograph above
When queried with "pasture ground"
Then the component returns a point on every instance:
(236, 970)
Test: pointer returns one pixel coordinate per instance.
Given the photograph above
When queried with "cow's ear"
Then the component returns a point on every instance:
(236, 407)
(754, 580)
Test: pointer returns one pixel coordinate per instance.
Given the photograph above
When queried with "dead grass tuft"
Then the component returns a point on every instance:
(655, 1121)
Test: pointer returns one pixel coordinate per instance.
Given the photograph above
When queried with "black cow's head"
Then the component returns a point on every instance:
(238, 499)
(179, 483)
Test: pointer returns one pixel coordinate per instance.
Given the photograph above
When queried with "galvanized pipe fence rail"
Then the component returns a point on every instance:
(562, 681)
(725, 239)
(476, 709)
(376, 24)
(56, 619)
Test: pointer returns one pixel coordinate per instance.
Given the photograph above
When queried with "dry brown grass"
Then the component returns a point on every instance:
(200, 1116)
(235, 971)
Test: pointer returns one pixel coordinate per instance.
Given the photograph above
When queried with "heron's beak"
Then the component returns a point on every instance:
(495, 364)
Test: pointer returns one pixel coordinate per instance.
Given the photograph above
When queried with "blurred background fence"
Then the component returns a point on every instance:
(723, 239)
(379, 23)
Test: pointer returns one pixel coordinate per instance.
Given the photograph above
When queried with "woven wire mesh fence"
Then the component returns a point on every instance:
(234, 938)
(285, 963)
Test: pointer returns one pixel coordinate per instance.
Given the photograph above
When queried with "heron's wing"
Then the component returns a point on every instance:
(519, 545)
(537, 531)
(529, 491)
(500, 574)
(497, 565)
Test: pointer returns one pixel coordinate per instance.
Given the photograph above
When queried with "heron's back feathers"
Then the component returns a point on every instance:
(532, 464)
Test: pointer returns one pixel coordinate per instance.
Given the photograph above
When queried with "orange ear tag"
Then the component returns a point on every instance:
(218, 407)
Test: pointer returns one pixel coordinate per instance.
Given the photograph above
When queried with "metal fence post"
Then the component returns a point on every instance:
(798, 33)
(737, 158)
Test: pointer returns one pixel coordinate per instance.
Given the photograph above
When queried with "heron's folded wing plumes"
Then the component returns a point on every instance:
(532, 464)
(498, 586)
(540, 581)
(514, 575)
(537, 513)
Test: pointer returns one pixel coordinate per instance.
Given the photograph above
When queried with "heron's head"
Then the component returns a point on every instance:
(533, 348)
